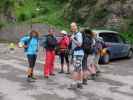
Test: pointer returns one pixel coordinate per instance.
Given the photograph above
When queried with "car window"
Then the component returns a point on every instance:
(110, 37)
(123, 39)
(120, 39)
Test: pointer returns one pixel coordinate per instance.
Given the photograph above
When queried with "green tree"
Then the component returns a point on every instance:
(6, 9)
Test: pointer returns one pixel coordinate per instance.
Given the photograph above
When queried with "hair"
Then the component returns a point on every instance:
(50, 28)
(88, 32)
(33, 31)
(74, 23)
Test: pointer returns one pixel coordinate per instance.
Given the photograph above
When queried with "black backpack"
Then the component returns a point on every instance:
(50, 42)
(87, 43)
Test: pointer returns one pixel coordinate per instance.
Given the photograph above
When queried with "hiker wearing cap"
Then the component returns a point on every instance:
(64, 51)
(30, 45)
(98, 50)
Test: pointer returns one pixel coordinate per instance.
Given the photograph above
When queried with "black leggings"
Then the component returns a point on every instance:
(32, 60)
(85, 62)
(63, 57)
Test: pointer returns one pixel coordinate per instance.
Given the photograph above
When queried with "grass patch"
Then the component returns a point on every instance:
(50, 12)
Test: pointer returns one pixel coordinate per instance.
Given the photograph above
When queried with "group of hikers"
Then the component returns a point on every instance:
(82, 49)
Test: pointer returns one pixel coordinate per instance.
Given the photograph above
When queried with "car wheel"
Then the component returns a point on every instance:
(130, 54)
(106, 58)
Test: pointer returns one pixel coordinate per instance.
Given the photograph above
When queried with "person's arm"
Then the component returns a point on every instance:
(22, 41)
(67, 41)
(79, 40)
(38, 45)
(45, 42)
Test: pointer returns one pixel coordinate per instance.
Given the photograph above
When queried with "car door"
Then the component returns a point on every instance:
(112, 40)
(124, 46)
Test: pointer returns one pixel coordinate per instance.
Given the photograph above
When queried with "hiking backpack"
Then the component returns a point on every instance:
(87, 43)
(50, 42)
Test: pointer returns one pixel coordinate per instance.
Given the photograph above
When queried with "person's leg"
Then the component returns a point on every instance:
(74, 73)
(97, 57)
(93, 68)
(62, 62)
(52, 63)
(78, 74)
(34, 61)
(47, 63)
(68, 65)
(90, 66)
(29, 71)
(85, 69)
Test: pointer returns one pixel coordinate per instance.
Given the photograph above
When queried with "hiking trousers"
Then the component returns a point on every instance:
(49, 62)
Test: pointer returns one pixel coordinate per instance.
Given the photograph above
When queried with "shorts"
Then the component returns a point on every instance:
(90, 60)
(77, 62)
(63, 57)
(31, 60)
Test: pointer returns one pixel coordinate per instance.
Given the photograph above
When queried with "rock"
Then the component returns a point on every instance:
(100, 13)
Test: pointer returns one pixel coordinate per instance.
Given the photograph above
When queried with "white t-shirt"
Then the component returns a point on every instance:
(77, 39)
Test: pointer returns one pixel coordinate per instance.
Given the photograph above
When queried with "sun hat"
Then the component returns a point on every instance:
(64, 32)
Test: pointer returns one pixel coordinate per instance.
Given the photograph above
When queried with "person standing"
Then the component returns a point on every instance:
(64, 51)
(49, 45)
(78, 55)
(88, 51)
(98, 48)
(30, 44)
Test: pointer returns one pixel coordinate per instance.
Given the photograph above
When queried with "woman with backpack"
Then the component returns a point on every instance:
(88, 63)
(64, 51)
(49, 45)
(30, 44)
(98, 49)
(78, 55)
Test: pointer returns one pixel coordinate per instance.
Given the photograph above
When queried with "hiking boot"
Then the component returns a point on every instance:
(29, 79)
(89, 78)
(98, 73)
(68, 73)
(52, 74)
(46, 77)
(93, 76)
(79, 85)
(73, 87)
(34, 78)
(84, 82)
(61, 72)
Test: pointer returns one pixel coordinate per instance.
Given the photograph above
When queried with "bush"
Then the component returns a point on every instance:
(23, 17)
(33, 15)
(1, 25)
(44, 10)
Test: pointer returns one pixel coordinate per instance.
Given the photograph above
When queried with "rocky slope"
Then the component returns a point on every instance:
(116, 14)
(99, 14)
